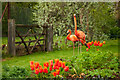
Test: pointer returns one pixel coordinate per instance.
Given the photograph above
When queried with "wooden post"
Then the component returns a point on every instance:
(11, 37)
(45, 36)
(48, 38)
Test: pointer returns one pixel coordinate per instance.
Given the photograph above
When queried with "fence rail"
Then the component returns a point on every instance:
(47, 38)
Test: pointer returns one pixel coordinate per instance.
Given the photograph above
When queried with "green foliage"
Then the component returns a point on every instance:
(94, 64)
(115, 32)
(20, 11)
(101, 17)
(14, 72)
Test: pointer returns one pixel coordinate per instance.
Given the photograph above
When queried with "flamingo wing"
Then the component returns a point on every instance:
(73, 38)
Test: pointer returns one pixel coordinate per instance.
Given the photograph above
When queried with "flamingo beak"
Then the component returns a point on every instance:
(67, 31)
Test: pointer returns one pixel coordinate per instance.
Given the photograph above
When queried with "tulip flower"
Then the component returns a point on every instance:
(56, 61)
(31, 62)
(103, 42)
(50, 68)
(60, 63)
(57, 72)
(100, 44)
(40, 66)
(45, 70)
(32, 67)
(46, 64)
(36, 65)
(40, 70)
(54, 74)
(88, 45)
(95, 43)
(66, 68)
(97, 49)
(36, 71)
(51, 62)
(87, 49)
(54, 67)
(57, 67)
(92, 42)
(63, 64)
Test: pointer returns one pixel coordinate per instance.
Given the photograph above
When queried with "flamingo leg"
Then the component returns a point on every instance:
(80, 47)
(73, 48)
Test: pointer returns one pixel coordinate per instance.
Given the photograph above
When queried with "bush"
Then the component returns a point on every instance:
(96, 64)
(14, 72)
(115, 32)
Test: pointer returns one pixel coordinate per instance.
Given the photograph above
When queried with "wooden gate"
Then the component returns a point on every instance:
(44, 40)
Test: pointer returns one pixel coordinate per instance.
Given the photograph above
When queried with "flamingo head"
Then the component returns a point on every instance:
(74, 15)
(68, 30)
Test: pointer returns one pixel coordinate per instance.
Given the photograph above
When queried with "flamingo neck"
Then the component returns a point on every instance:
(68, 35)
(75, 24)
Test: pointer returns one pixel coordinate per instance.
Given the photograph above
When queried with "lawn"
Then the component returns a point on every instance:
(64, 52)
(41, 57)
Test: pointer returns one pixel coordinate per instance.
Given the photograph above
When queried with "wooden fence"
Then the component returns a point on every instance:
(46, 37)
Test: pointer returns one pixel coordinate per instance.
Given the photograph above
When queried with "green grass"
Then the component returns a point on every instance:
(41, 57)
(64, 51)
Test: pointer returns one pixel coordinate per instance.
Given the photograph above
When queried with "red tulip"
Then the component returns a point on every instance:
(40, 70)
(88, 45)
(31, 62)
(57, 72)
(40, 66)
(57, 67)
(51, 62)
(56, 61)
(46, 64)
(32, 67)
(36, 65)
(54, 67)
(66, 68)
(36, 71)
(87, 49)
(45, 70)
(97, 49)
(54, 74)
(95, 43)
(60, 63)
(92, 42)
(103, 42)
(100, 44)
(63, 64)
(50, 68)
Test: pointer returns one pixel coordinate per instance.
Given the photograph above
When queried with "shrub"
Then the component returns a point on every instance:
(14, 72)
(97, 64)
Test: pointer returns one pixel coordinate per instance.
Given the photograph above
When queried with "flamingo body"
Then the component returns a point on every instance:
(72, 38)
(80, 34)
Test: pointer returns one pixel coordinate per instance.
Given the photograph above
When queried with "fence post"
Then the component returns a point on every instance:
(48, 37)
(11, 37)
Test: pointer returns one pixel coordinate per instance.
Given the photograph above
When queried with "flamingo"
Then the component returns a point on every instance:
(80, 34)
(72, 38)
